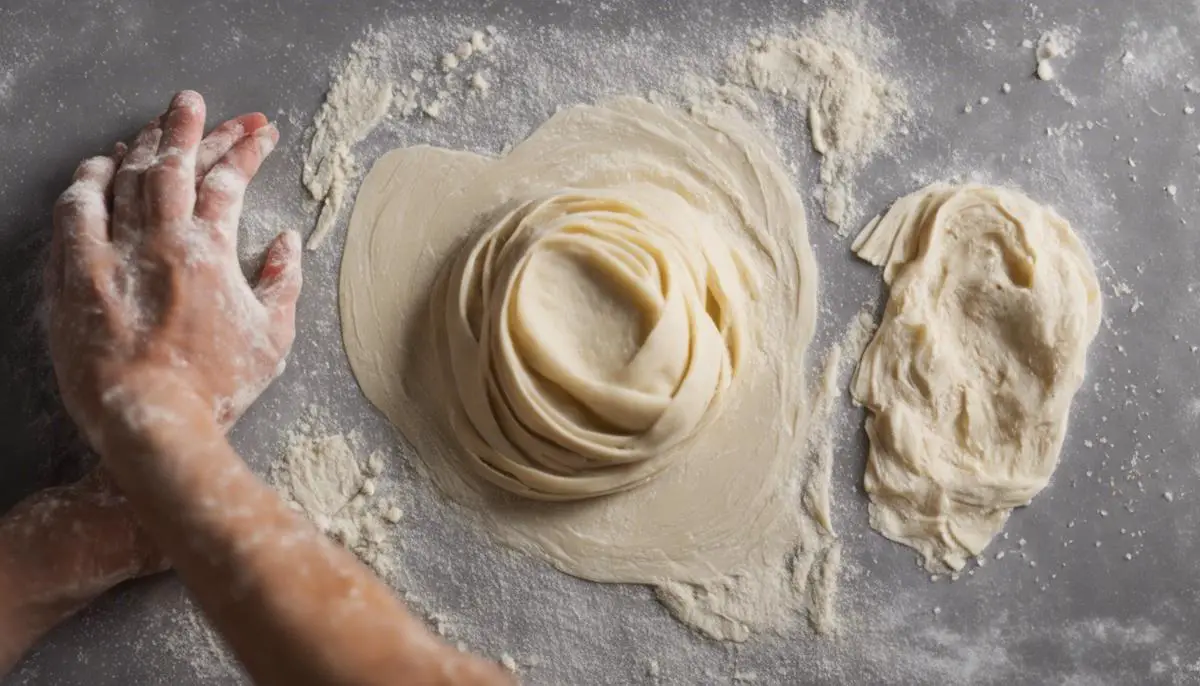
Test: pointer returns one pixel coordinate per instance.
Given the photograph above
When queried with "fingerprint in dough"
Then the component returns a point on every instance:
(596, 346)
(969, 379)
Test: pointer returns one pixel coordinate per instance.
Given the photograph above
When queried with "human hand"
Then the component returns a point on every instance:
(148, 308)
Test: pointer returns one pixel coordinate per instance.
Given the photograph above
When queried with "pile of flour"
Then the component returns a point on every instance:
(852, 108)
(323, 476)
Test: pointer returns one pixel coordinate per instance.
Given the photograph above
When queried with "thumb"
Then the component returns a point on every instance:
(278, 287)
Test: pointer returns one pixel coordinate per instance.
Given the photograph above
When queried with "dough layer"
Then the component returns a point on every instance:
(608, 242)
(970, 376)
(588, 332)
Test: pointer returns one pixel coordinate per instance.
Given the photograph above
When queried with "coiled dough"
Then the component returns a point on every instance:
(589, 332)
(596, 346)
(970, 376)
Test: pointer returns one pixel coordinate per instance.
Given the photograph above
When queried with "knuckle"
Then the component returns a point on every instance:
(226, 178)
(92, 283)
(167, 193)
(128, 177)
(173, 160)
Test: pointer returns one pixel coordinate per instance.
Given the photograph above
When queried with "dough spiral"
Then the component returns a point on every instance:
(633, 237)
(586, 333)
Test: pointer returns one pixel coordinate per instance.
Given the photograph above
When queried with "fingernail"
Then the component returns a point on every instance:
(267, 137)
(188, 99)
(292, 240)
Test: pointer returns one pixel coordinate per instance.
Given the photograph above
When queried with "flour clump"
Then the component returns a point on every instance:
(852, 108)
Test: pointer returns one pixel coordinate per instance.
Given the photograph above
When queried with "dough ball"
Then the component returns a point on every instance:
(586, 334)
(970, 376)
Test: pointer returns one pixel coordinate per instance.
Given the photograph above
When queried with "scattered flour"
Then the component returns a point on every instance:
(7, 78)
(368, 88)
(1052, 46)
(194, 640)
(355, 104)
(324, 478)
(852, 108)
(1153, 57)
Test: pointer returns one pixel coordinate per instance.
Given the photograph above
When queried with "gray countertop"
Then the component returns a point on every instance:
(1063, 604)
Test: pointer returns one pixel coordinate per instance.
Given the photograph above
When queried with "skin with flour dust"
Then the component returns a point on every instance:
(159, 345)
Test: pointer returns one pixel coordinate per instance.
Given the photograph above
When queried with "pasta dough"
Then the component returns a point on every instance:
(970, 376)
(579, 343)
(627, 294)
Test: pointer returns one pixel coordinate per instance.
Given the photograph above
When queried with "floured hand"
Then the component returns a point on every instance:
(158, 344)
(148, 309)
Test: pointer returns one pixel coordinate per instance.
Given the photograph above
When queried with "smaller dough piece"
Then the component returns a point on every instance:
(970, 376)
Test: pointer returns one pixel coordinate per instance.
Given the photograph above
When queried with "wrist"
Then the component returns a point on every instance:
(148, 407)
(62, 547)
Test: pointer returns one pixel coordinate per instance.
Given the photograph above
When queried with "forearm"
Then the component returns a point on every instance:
(28, 608)
(22, 621)
(295, 608)
(59, 549)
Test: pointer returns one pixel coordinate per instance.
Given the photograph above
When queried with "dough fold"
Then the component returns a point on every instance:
(970, 376)
(587, 333)
(626, 294)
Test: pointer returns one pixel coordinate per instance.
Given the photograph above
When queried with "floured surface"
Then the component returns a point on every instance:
(1071, 610)
(830, 69)
(715, 518)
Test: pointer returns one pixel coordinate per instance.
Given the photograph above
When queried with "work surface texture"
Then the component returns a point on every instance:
(1095, 583)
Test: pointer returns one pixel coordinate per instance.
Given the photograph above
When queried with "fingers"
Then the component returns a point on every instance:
(184, 125)
(278, 287)
(169, 190)
(127, 211)
(218, 142)
(98, 174)
(118, 155)
(138, 159)
(219, 199)
(81, 218)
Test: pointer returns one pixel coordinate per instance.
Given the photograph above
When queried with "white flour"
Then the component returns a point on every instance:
(323, 476)
(822, 441)
(370, 87)
(356, 102)
(1052, 47)
(1152, 57)
(852, 108)
(7, 78)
